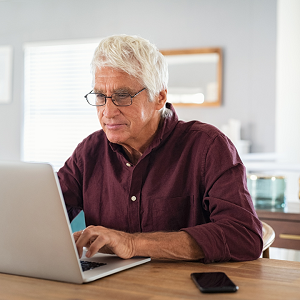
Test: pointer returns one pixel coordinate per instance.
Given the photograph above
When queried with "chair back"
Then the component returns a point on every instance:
(268, 239)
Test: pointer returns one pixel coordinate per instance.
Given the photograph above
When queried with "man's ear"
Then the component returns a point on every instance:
(161, 99)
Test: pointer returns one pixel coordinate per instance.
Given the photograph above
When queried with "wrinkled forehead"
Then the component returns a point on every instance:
(109, 79)
(110, 74)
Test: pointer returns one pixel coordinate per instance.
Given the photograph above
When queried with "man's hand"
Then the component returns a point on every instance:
(157, 245)
(104, 240)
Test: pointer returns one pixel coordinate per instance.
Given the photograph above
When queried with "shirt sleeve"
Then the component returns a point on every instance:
(234, 231)
(70, 179)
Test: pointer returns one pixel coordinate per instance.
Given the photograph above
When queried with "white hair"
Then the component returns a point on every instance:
(137, 57)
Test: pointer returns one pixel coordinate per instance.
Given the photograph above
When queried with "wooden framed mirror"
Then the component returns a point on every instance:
(195, 76)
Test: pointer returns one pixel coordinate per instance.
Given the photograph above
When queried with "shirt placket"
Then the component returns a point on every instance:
(134, 217)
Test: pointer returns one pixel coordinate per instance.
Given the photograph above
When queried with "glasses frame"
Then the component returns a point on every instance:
(113, 101)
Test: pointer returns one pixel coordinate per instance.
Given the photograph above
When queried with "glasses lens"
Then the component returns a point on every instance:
(121, 99)
(96, 99)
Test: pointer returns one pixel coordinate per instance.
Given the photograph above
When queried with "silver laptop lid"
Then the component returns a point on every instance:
(35, 235)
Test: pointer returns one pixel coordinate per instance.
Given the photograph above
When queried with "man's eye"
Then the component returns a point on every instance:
(123, 95)
(100, 96)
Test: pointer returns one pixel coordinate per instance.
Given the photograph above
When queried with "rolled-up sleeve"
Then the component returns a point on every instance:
(234, 231)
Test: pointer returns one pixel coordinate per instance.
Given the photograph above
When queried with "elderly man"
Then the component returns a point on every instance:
(149, 184)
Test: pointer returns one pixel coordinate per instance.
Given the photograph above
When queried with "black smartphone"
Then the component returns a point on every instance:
(213, 282)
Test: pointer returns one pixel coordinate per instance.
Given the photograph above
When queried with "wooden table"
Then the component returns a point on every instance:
(259, 279)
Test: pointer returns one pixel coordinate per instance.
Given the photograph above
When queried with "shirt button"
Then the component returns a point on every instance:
(133, 198)
(128, 164)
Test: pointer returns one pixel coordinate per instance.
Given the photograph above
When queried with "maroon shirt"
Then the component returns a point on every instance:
(190, 178)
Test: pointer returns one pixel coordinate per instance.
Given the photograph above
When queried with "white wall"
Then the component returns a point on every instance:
(288, 81)
(246, 30)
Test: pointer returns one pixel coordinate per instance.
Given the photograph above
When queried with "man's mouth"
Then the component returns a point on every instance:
(114, 126)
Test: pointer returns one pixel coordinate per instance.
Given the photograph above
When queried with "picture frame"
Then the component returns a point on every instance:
(195, 76)
(6, 53)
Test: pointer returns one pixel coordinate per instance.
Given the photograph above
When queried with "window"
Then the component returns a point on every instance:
(56, 114)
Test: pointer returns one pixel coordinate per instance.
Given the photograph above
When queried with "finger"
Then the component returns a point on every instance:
(77, 234)
(84, 240)
(95, 245)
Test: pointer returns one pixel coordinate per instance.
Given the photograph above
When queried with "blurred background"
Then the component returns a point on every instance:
(43, 114)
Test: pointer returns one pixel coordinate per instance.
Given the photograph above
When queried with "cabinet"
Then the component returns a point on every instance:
(286, 224)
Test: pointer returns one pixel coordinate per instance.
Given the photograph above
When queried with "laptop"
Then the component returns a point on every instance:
(35, 234)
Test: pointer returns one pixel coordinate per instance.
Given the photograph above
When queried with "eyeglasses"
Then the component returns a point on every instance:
(118, 99)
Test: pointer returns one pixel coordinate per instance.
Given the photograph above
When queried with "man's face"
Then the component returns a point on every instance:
(131, 126)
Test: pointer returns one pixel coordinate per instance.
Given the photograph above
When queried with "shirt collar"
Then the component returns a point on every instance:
(167, 126)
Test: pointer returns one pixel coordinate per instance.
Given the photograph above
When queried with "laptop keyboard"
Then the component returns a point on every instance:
(89, 265)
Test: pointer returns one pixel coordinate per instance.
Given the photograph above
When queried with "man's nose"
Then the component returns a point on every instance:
(110, 109)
